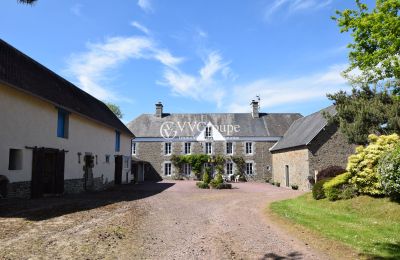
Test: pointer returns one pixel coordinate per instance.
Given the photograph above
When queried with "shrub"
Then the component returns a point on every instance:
(202, 185)
(363, 164)
(278, 184)
(206, 177)
(295, 187)
(224, 186)
(217, 180)
(389, 169)
(273, 183)
(335, 186)
(318, 189)
(330, 172)
(348, 191)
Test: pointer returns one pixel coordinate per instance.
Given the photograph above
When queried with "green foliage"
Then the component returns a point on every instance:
(217, 180)
(206, 176)
(202, 185)
(333, 188)
(222, 186)
(318, 189)
(389, 169)
(240, 166)
(375, 48)
(295, 187)
(363, 164)
(197, 161)
(348, 191)
(219, 161)
(115, 109)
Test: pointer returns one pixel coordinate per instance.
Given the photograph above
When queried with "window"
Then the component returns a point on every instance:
(133, 148)
(186, 169)
(15, 160)
(208, 148)
(208, 132)
(167, 148)
(249, 148)
(126, 162)
(229, 168)
(229, 148)
(188, 148)
(107, 158)
(167, 169)
(117, 141)
(62, 123)
(249, 168)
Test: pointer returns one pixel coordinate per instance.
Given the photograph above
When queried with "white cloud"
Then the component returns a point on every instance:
(279, 91)
(145, 5)
(292, 6)
(140, 27)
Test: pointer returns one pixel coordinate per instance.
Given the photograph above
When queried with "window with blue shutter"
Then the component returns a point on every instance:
(117, 141)
(62, 124)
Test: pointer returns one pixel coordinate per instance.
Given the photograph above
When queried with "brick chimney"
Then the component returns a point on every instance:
(255, 109)
(159, 109)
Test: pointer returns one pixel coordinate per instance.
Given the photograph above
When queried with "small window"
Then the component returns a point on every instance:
(208, 148)
(15, 159)
(167, 148)
(126, 162)
(229, 168)
(229, 148)
(107, 158)
(188, 148)
(62, 123)
(208, 132)
(249, 148)
(117, 141)
(249, 168)
(167, 169)
(133, 148)
(186, 169)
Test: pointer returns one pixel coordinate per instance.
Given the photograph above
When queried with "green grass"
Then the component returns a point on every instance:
(369, 225)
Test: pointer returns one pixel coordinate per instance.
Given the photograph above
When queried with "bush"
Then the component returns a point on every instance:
(334, 188)
(224, 186)
(278, 184)
(363, 164)
(318, 189)
(295, 187)
(330, 172)
(206, 177)
(389, 169)
(202, 185)
(348, 191)
(273, 183)
(217, 180)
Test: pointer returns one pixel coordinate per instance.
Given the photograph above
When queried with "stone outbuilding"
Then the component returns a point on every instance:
(309, 146)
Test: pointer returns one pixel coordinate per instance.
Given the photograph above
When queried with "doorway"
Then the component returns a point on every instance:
(47, 172)
(287, 175)
(118, 169)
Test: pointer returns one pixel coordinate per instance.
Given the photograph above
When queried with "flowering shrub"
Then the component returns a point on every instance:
(389, 169)
(363, 164)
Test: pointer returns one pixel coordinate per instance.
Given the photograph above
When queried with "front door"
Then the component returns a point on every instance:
(118, 169)
(287, 175)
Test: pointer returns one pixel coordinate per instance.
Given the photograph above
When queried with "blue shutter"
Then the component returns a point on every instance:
(61, 124)
(117, 141)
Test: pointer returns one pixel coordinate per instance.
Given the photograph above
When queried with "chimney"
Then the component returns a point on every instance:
(159, 109)
(255, 109)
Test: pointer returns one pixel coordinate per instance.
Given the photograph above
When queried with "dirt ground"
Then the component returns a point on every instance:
(166, 220)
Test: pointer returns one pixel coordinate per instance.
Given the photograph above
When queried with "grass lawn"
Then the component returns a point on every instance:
(371, 226)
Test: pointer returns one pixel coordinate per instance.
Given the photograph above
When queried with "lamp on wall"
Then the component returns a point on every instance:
(79, 157)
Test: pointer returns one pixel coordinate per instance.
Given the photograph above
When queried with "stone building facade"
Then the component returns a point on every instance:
(310, 146)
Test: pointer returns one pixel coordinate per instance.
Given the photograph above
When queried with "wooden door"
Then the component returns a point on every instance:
(118, 169)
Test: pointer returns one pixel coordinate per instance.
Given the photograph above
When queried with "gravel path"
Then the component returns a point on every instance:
(167, 220)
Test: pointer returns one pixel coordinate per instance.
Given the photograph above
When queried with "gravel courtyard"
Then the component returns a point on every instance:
(166, 220)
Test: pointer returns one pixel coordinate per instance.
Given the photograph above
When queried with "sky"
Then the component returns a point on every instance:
(193, 56)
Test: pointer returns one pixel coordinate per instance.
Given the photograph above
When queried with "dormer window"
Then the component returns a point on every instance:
(208, 132)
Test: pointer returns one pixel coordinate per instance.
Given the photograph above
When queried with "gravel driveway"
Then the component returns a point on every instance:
(166, 220)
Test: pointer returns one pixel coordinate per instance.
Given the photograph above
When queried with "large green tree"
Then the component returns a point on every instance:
(115, 109)
(374, 71)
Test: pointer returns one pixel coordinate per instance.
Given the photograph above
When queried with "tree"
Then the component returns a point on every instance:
(374, 72)
(29, 2)
(115, 109)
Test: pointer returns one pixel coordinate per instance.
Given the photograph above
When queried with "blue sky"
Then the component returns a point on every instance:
(194, 56)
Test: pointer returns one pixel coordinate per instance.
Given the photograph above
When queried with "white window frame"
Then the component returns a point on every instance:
(208, 145)
(134, 148)
(126, 161)
(187, 169)
(249, 168)
(167, 148)
(249, 148)
(229, 168)
(168, 169)
(231, 148)
(187, 148)
(208, 132)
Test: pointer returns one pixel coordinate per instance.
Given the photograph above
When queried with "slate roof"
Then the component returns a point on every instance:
(303, 130)
(19, 71)
(267, 125)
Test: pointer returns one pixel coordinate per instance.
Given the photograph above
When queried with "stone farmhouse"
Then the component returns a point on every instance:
(309, 146)
(54, 137)
(248, 135)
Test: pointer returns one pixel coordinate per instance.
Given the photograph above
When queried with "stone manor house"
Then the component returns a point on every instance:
(259, 138)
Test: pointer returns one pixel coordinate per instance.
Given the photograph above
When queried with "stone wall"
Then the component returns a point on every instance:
(153, 154)
(298, 167)
(329, 148)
